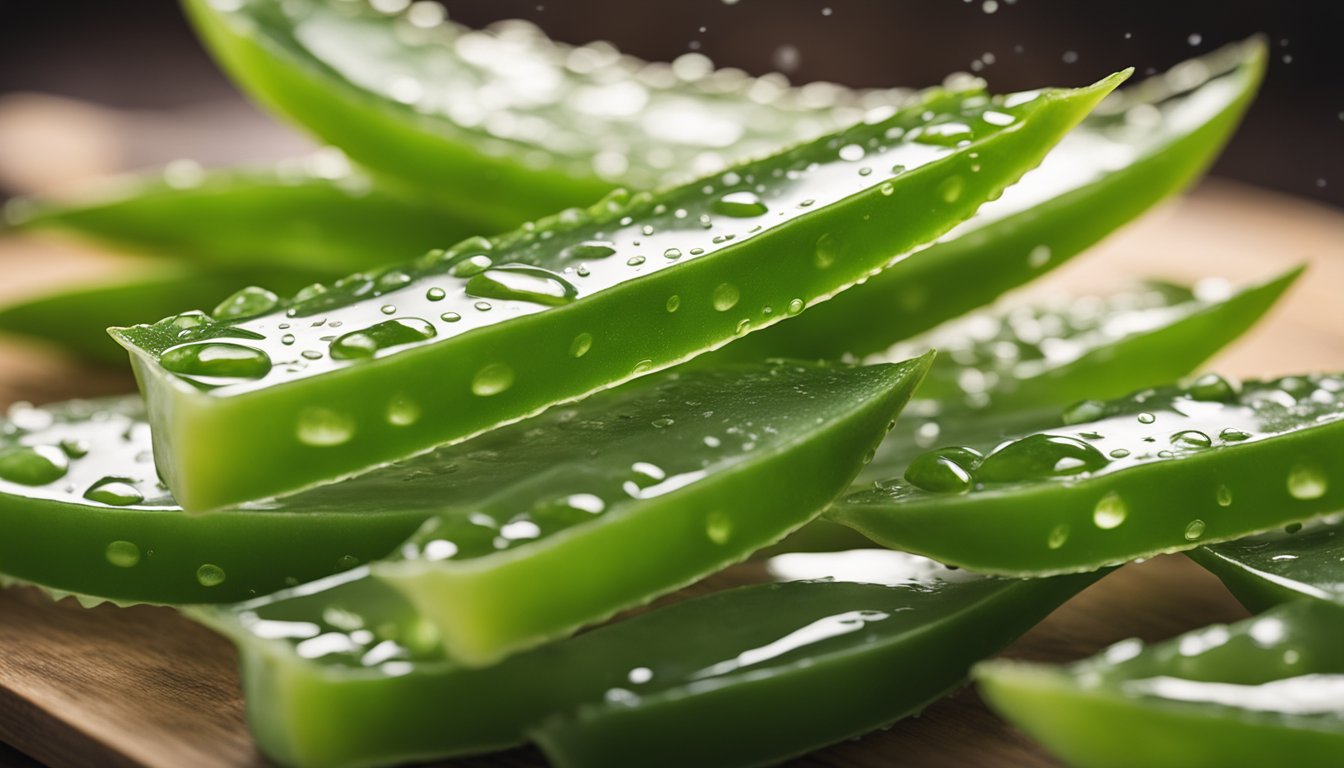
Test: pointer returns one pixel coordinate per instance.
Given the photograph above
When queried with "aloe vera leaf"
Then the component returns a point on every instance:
(505, 124)
(316, 216)
(76, 317)
(1264, 691)
(344, 673)
(1162, 471)
(490, 331)
(81, 509)
(997, 371)
(1281, 566)
(1141, 145)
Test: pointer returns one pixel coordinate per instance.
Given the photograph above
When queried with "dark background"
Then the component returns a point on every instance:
(140, 53)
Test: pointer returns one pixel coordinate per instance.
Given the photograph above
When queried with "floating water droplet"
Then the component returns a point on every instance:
(1040, 456)
(364, 344)
(323, 427)
(248, 302)
(402, 412)
(726, 297)
(1224, 496)
(214, 363)
(32, 465)
(122, 554)
(518, 282)
(1194, 530)
(740, 205)
(114, 491)
(1109, 512)
(718, 527)
(1191, 439)
(944, 470)
(1307, 481)
(580, 345)
(210, 575)
(492, 379)
(673, 303)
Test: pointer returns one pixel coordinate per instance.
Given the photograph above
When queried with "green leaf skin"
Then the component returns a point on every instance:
(523, 499)
(504, 124)
(993, 374)
(315, 216)
(685, 271)
(1141, 145)
(76, 318)
(1279, 567)
(1264, 691)
(1185, 481)
(344, 674)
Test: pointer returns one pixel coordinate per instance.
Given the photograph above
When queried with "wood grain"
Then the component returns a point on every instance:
(144, 687)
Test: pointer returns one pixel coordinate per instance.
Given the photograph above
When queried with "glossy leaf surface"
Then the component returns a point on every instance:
(81, 509)
(1161, 471)
(1142, 144)
(1281, 566)
(315, 216)
(343, 673)
(1265, 691)
(534, 125)
(490, 331)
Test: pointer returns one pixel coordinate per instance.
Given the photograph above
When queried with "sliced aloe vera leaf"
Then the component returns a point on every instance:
(1264, 691)
(81, 509)
(505, 123)
(1162, 471)
(345, 673)
(1281, 566)
(315, 215)
(1141, 145)
(76, 317)
(490, 331)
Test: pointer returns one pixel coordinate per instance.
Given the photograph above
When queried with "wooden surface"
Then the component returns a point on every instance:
(144, 687)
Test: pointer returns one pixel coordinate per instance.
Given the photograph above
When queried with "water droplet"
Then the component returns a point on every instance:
(402, 412)
(1191, 439)
(32, 465)
(1307, 481)
(1146, 418)
(214, 363)
(472, 265)
(740, 205)
(249, 302)
(1224, 496)
(518, 282)
(662, 423)
(1084, 412)
(1038, 257)
(115, 492)
(210, 575)
(392, 280)
(795, 306)
(1233, 435)
(323, 427)
(590, 250)
(852, 153)
(1213, 388)
(672, 253)
(643, 366)
(122, 554)
(944, 470)
(492, 379)
(634, 261)
(718, 527)
(75, 449)
(435, 294)
(951, 188)
(725, 297)
(581, 344)
(1109, 512)
(1058, 536)
(450, 317)
(1194, 530)
(288, 339)
(1040, 456)
(364, 344)
(1119, 453)
(827, 251)
(887, 188)
(673, 303)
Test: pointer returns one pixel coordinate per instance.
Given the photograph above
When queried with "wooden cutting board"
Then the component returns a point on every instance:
(144, 687)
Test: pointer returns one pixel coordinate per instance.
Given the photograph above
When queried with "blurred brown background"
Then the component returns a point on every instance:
(140, 55)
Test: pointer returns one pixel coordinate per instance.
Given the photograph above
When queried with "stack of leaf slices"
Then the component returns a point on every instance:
(402, 492)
